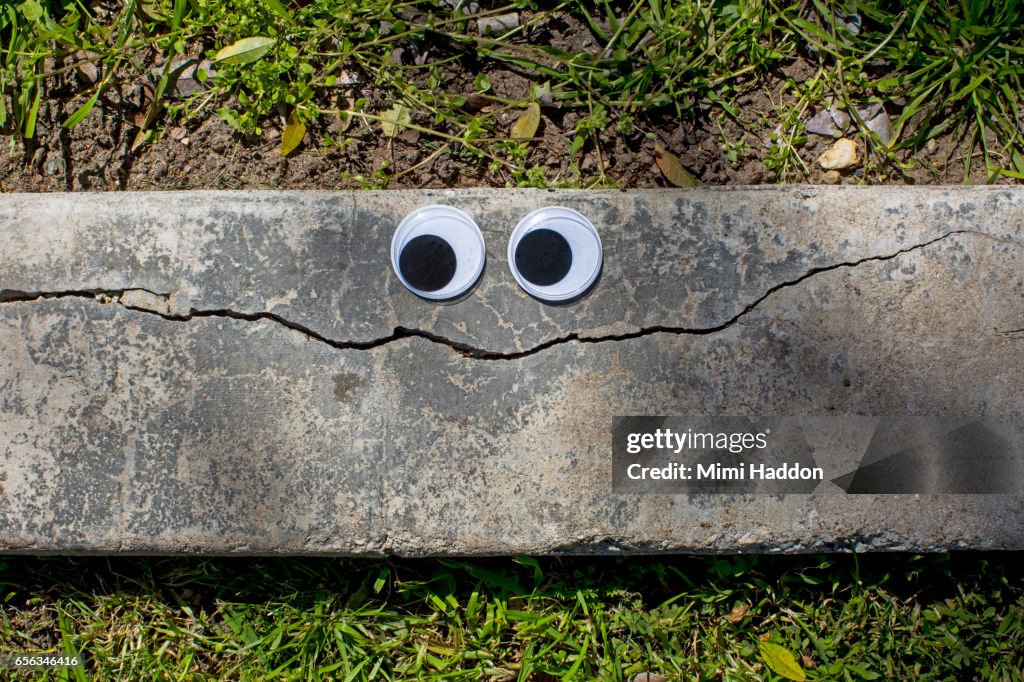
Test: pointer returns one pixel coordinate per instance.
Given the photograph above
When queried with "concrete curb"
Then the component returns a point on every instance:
(229, 372)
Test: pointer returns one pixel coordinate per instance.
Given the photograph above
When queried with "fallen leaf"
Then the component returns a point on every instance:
(344, 121)
(526, 125)
(394, 119)
(672, 168)
(781, 662)
(294, 131)
(475, 101)
(151, 11)
(244, 51)
(737, 614)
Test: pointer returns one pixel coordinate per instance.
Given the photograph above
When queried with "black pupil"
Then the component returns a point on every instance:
(427, 262)
(543, 257)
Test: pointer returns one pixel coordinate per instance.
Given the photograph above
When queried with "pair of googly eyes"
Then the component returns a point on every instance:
(554, 253)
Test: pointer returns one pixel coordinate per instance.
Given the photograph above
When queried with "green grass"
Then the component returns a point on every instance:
(886, 617)
(941, 68)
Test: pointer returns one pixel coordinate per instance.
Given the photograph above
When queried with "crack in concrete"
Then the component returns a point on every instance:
(466, 350)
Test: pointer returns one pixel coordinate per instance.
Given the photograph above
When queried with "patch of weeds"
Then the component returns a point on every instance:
(949, 68)
(734, 618)
(610, 77)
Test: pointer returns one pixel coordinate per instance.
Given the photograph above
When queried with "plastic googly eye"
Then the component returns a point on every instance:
(438, 252)
(555, 254)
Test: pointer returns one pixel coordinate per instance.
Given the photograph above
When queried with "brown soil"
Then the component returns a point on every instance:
(208, 153)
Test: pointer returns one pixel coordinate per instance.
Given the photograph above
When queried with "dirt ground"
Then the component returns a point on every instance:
(206, 152)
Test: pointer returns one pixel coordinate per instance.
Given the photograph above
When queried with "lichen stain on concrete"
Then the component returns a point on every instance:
(345, 384)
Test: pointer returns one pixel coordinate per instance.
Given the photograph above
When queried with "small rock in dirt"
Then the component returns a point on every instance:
(832, 177)
(833, 122)
(184, 76)
(830, 122)
(648, 677)
(469, 7)
(880, 126)
(842, 155)
(54, 164)
(88, 72)
(841, 119)
(346, 79)
(178, 133)
(870, 110)
(498, 24)
(38, 158)
(444, 169)
(822, 124)
(189, 82)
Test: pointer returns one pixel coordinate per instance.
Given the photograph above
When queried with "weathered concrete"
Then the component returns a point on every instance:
(241, 372)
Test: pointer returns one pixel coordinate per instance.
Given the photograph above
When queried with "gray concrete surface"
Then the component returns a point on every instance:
(242, 373)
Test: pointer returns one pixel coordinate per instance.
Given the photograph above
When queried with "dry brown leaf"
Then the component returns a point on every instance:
(672, 168)
(526, 125)
(737, 614)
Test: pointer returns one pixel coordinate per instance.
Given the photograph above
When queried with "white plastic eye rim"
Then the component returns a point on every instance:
(587, 253)
(461, 233)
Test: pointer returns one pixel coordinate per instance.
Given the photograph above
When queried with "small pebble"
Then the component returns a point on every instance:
(832, 177)
(88, 72)
(843, 154)
(648, 677)
(54, 164)
(880, 126)
(498, 24)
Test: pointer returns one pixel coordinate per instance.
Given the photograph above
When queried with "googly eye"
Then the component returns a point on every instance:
(555, 254)
(438, 252)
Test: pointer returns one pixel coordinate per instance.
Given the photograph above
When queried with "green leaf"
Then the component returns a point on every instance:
(244, 51)
(526, 125)
(394, 119)
(672, 168)
(382, 580)
(294, 131)
(280, 10)
(82, 111)
(864, 674)
(33, 113)
(781, 661)
(31, 10)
